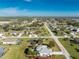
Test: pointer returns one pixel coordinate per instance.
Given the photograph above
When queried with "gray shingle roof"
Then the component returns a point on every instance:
(1, 51)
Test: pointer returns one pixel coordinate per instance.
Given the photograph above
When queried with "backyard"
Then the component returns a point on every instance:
(15, 51)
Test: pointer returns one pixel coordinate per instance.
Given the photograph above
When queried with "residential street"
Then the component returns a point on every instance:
(67, 55)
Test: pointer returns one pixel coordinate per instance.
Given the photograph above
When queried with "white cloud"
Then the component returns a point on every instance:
(20, 12)
(25, 12)
(27, 0)
(12, 12)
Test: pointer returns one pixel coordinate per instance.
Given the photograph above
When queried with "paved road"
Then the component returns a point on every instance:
(67, 55)
(67, 37)
(62, 37)
(28, 37)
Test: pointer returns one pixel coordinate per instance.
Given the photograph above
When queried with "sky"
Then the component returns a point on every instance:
(39, 7)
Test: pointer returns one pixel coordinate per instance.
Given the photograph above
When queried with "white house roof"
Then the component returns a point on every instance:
(1, 34)
(72, 33)
(14, 33)
(33, 35)
(43, 50)
(11, 40)
(78, 30)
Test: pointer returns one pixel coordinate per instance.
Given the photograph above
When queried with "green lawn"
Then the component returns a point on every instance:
(71, 49)
(54, 48)
(77, 34)
(59, 57)
(16, 51)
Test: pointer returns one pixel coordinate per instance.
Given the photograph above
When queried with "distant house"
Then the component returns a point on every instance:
(11, 41)
(33, 36)
(43, 50)
(1, 51)
(66, 36)
(14, 33)
(4, 22)
(72, 33)
(76, 40)
(25, 22)
(1, 35)
(78, 30)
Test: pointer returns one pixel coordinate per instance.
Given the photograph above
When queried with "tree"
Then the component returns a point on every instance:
(51, 44)
(5, 27)
(26, 51)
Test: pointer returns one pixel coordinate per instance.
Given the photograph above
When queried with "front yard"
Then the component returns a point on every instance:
(71, 49)
(17, 51)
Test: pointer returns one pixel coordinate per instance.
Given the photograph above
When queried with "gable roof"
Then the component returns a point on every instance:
(11, 40)
(44, 50)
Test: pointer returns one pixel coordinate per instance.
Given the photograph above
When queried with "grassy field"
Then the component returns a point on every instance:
(55, 47)
(71, 49)
(16, 51)
(59, 57)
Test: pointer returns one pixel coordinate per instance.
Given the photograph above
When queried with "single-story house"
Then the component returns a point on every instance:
(11, 41)
(14, 33)
(43, 50)
(66, 36)
(1, 51)
(33, 36)
(72, 33)
(77, 29)
(1, 35)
